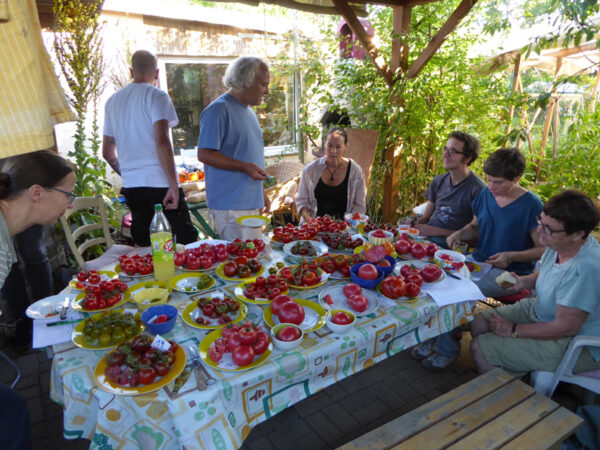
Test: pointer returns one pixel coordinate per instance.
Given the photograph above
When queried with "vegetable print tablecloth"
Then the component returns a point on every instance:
(222, 416)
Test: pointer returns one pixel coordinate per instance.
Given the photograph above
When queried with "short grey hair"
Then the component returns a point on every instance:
(241, 72)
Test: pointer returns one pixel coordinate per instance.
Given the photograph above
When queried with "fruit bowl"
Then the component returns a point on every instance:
(353, 221)
(374, 240)
(412, 232)
(364, 283)
(387, 269)
(153, 296)
(453, 265)
(339, 328)
(285, 345)
(160, 328)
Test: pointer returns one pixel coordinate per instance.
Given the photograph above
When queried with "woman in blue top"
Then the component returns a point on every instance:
(505, 228)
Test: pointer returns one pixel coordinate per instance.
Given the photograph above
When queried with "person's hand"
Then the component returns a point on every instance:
(500, 326)
(171, 200)
(267, 207)
(255, 172)
(424, 229)
(451, 239)
(501, 260)
(518, 286)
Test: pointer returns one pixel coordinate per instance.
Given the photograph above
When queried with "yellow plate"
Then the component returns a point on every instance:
(221, 274)
(104, 275)
(149, 284)
(358, 250)
(313, 320)
(324, 278)
(192, 311)
(226, 364)
(403, 298)
(119, 270)
(79, 340)
(239, 293)
(78, 303)
(180, 282)
(255, 223)
(112, 388)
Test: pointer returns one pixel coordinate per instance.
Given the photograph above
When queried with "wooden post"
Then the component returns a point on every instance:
(401, 27)
(556, 129)
(513, 89)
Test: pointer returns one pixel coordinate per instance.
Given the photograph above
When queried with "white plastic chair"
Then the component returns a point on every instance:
(545, 382)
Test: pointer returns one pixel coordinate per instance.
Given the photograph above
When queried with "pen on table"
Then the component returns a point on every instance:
(62, 322)
(454, 275)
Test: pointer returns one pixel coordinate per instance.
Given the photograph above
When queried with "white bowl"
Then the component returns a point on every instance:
(412, 232)
(285, 345)
(355, 222)
(336, 327)
(389, 236)
(458, 260)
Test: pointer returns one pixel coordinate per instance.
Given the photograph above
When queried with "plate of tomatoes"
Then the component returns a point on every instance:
(240, 268)
(368, 227)
(348, 297)
(305, 249)
(192, 282)
(135, 266)
(107, 329)
(343, 242)
(289, 233)
(338, 266)
(406, 248)
(261, 290)
(137, 368)
(236, 347)
(213, 312)
(397, 287)
(308, 315)
(250, 248)
(201, 255)
(91, 278)
(430, 272)
(106, 295)
(306, 275)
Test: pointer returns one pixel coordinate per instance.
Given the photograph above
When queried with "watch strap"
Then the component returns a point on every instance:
(514, 330)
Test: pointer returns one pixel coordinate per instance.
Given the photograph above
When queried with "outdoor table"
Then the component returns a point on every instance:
(223, 415)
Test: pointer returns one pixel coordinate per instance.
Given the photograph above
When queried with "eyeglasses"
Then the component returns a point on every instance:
(69, 195)
(452, 151)
(545, 228)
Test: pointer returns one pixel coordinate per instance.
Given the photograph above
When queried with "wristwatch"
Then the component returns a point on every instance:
(514, 330)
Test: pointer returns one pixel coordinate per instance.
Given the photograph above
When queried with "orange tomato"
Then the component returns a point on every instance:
(183, 177)
(389, 248)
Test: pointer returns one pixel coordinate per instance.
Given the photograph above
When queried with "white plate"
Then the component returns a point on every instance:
(47, 307)
(319, 247)
(419, 264)
(340, 301)
(213, 242)
(347, 251)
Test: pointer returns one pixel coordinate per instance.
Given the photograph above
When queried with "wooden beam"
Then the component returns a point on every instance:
(401, 28)
(364, 39)
(571, 51)
(513, 89)
(459, 13)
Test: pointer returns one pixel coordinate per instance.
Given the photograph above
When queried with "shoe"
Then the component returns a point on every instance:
(423, 350)
(438, 362)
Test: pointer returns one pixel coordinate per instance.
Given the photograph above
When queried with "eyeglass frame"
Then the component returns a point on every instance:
(70, 195)
(545, 228)
(452, 151)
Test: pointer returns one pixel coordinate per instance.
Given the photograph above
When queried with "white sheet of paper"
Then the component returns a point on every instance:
(44, 336)
(451, 291)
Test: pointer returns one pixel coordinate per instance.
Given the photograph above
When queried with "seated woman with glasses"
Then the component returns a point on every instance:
(332, 185)
(534, 333)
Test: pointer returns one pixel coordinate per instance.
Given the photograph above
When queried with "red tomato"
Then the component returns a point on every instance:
(162, 368)
(279, 301)
(259, 244)
(384, 263)
(310, 279)
(345, 270)
(93, 278)
(229, 330)
(192, 263)
(352, 289)
(233, 341)
(446, 257)
(205, 261)
(431, 248)
(262, 343)
(412, 289)
(291, 312)
(401, 246)
(247, 335)
(367, 272)
(244, 271)
(221, 254)
(415, 277)
(179, 259)
(230, 269)
(241, 260)
(243, 355)
(214, 354)
(288, 334)
(341, 318)
(81, 276)
(407, 269)
(358, 303)
(378, 234)
(393, 287)
(418, 251)
(430, 272)
(147, 375)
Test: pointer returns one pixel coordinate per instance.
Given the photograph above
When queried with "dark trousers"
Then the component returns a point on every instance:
(14, 420)
(141, 201)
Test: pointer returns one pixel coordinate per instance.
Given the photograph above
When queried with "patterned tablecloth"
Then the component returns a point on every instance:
(222, 416)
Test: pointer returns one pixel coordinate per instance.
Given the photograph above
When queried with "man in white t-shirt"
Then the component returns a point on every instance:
(137, 146)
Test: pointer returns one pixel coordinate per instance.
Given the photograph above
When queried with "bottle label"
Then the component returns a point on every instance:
(162, 247)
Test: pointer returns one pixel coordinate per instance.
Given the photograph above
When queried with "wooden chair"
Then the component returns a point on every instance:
(361, 148)
(89, 233)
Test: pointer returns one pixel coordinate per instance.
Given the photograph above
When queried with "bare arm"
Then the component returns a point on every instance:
(469, 232)
(503, 259)
(429, 209)
(164, 150)
(109, 153)
(217, 159)
(567, 322)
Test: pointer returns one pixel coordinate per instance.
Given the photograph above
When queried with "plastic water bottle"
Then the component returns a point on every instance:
(161, 240)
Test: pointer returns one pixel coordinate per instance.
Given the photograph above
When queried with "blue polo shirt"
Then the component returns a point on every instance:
(232, 128)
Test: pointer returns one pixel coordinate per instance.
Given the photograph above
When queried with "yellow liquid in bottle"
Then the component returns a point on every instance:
(163, 255)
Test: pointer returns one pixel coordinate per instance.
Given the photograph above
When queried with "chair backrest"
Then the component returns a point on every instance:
(284, 170)
(361, 148)
(86, 230)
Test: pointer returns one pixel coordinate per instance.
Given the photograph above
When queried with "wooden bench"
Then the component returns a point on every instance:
(494, 410)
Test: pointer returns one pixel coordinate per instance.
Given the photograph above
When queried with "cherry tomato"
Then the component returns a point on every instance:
(82, 276)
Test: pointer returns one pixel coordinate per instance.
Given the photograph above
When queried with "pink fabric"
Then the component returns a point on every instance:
(591, 373)
(514, 298)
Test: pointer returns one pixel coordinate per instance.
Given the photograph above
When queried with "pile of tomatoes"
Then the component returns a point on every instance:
(291, 233)
(356, 300)
(287, 309)
(339, 263)
(137, 264)
(137, 362)
(244, 342)
(102, 294)
(268, 288)
(382, 226)
(406, 245)
(456, 265)
(409, 282)
(241, 267)
(216, 308)
(249, 248)
(304, 248)
(341, 241)
(202, 257)
(303, 274)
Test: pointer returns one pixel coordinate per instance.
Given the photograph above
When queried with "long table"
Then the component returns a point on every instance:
(223, 415)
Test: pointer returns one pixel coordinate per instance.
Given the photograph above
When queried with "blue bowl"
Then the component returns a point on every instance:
(390, 269)
(367, 284)
(160, 328)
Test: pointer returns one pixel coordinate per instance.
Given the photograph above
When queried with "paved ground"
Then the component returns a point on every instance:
(326, 420)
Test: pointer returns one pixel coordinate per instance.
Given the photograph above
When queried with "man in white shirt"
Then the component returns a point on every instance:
(136, 127)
